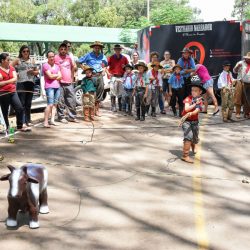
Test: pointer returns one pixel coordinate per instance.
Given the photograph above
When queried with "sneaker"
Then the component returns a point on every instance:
(73, 120)
(142, 119)
(163, 112)
(63, 121)
(137, 118)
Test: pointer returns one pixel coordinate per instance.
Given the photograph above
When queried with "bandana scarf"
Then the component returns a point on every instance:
(141, 80)
(248, 68)
(187, 63)
(229, 79)
(155, 75)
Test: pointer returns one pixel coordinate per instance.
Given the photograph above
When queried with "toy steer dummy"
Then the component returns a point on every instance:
(27, 193)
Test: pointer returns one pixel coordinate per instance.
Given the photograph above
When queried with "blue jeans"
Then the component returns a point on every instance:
(53, 95)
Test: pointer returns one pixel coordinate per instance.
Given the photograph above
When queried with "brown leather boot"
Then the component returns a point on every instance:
(225, 116)
(92, 114)
(229, 117)
(86, 115)
(194, 148)
(97, 106)
(238, 109)
(186, 148)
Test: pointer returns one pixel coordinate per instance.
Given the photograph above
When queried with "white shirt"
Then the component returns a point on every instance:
(223, 80)
(242, 70)
(153, 83)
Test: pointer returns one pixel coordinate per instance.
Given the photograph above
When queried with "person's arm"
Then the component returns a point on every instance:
(105, 62)
(59, 76)
(189, 107)
(12, 80)
(15, 62)
(237, 67)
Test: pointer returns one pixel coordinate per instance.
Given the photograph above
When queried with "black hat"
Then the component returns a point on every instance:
(128, 66)
(197, 83)
(117, 46)
(226, 63)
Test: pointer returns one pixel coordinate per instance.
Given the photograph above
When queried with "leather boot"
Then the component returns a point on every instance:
(186, 148)
(97, 105)
(153, 112)
(147, 110)
(86, 115)
(238, 110)
(113, 104)
(174, 110)
(120, 103)
(92, 113)
(138, 114)
(143, 110)
(225, 116)
(194, 148)
(229, 116)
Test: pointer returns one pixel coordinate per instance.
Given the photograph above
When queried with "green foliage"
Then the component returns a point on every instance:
(101, 13)
(241, 9)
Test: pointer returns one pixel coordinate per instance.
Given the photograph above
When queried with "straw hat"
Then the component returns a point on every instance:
(97, 43)
(87, 68)
(156, 64)
(247, 56)
(177, 66)
(187, 50)
(143, 64)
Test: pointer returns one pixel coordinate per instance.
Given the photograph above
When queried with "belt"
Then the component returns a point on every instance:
(140, 88)
(130, 90)
(65, 84)
(117, 75)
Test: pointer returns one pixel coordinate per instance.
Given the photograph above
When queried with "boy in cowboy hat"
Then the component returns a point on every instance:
(141, 90)
(154, 88)
(242, 88)
(116, 71)
(188, 65)
(226, 84)
(89, 91)
(176, 89)
(190, 118)
(128, 85)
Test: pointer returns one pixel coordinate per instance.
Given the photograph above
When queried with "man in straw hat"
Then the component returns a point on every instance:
(116, 71)
(242, 88)
(188, 65)
(98, 61)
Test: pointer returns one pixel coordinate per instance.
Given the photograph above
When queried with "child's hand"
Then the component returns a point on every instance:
(170, 93)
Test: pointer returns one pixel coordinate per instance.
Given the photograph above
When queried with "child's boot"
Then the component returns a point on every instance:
(186, 148)
(120, 103)
(143, 113)
(153, 112)
(137, 114)
(86, 115)
(113, 104)
(225, 115)
(238, 109)
(194, 148)
(147, 110)
(230, 113)
(92, 114)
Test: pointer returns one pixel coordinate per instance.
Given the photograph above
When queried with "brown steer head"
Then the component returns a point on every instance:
(18, 179)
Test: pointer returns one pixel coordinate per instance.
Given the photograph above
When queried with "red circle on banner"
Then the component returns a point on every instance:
(201, 49)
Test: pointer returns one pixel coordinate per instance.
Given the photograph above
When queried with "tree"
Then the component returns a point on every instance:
(241, 9)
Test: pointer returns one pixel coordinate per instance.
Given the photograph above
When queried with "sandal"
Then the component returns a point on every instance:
(216, 112)
(53, 124)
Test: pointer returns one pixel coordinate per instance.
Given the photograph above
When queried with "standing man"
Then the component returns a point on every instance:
(98, 61)
(131, 51)
(67, 95)
(188, 65)
(116, 63)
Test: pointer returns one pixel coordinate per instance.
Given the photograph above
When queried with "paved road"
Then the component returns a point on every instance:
(119, 184)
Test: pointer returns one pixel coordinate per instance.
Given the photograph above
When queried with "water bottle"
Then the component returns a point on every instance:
(11, 133)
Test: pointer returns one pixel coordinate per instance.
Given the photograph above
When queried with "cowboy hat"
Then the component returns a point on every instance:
(143, 64)
(156, 64)
(177, 66)
(87, 68)
(128, 66)
(187, 50)
(97, 43)
(226, 63)
(247, 56)
(117, 46)
(197, 83)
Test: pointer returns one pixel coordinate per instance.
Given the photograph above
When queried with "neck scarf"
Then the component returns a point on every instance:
(155, 75)
(186, 63)
(248, 68)
(141, 79)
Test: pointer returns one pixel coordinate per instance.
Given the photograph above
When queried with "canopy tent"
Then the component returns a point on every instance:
(18, 32)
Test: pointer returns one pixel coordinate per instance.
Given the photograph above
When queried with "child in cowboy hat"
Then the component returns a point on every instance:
(176, 89)
(190, 119)
(89, 92)
(141, 90)
(154, 88)
(226, 85)
(128, 85)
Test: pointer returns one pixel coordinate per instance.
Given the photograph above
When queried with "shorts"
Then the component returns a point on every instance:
(191, 131)
(208, 84)
(53, 95)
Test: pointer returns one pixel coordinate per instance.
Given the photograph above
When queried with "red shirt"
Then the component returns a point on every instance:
(189, 100)
(116, 64)
(11, 87)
